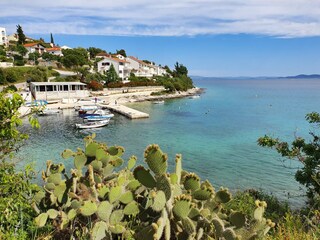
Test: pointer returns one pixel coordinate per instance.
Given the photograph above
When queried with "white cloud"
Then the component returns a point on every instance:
(281, 18)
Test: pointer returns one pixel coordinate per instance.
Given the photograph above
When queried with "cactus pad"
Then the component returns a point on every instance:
(91, 149)
(80, 160)
(41, 219)
(219, 227)
(115, 151)
(182, 206)
(72, 214)
(104, 211)
(229, 234)
(223, 195)
(202, 194)
(99, 230)
(67, 153)
(55, 178)
(132, 162)
(163, 183)
(88, 208)
(126, 198)
(159, 201)
(188, 226)
(144, 177)
(115, 194)
(131, 209)
(156, 160)
(52, 213)
(191, 182)
(133, 185)
(97, 165)
(237, 219)
(116, 216)
(117, 229)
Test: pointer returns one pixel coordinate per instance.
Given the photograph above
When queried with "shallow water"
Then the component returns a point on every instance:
(216, 133)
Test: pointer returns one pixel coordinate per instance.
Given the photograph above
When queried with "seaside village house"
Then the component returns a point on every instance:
(119, 63)
(34, 47)
(65, 91)
(3, 37)
(4, 42)
(125, 66)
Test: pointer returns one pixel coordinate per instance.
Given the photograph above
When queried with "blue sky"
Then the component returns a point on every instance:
(212, 38)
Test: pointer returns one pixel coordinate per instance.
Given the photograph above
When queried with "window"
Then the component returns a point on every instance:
(65, 88)
(120, 71)
(73, 87)
(42, 88)
(105, 64)
(49, 88)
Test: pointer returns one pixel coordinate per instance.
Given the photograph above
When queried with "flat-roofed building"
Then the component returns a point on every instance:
(58, 90)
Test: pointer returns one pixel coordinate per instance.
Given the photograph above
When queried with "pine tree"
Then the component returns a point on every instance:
(51, 39)
(21, 36)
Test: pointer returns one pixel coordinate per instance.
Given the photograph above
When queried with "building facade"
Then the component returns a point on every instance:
(3, 37)
(58, 90)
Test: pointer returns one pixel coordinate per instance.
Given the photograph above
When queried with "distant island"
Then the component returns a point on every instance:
(300, 76)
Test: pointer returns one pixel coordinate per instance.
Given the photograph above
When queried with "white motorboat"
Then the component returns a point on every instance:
(95, 124)
(48, 111)
(158, 102)
(98, 115)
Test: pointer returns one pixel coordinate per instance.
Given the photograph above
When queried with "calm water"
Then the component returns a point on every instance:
(216, 133)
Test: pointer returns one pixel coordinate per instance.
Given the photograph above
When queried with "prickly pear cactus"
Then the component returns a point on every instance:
(101, 200)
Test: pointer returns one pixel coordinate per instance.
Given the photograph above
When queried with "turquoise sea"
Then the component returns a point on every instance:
(216, 133)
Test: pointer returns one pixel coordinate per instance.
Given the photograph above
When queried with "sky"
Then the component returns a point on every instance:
(217, 38)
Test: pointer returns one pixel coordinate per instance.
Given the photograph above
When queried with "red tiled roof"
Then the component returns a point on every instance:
(119, 60)
(137, 60)
(32, 44)
(103, 55)
(53, 49)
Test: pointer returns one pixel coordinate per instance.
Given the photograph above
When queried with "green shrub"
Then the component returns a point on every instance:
(16, 191)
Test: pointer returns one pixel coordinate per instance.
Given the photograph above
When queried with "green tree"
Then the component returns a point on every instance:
(51, 39)
(21, 50)
(74, 57)
(93, 51)
(33, 56)
(16, 189)
(307, 153)
(111, 75)
(21, 36)
(2, 77)
(122, 52)
(180, 70)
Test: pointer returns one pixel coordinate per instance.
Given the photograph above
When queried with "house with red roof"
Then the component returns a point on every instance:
(120, 65)
(55, 51)
(35, 47)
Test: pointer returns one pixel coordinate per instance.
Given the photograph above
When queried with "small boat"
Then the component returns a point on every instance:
(194, 96)
(97, 115)
(96, 124)
(158, 102)
(48, 111)
(36, 103)
(85, 108)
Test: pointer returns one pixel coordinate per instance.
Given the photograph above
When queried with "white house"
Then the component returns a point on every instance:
(58, 90)
(35, 47)
(143, 69)
(3, 37)
(55, 51)
(120, 65)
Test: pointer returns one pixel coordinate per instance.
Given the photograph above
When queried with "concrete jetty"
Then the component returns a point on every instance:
(126, 111)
